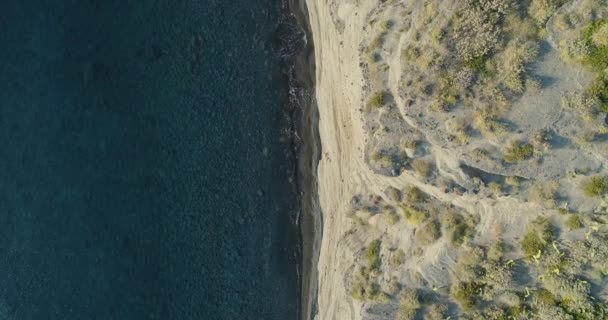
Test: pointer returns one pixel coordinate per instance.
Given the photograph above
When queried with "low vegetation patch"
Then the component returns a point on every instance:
(595, 186)
(415, 216)
(376, 101)
(518, 151)
(372, 255)
(409, 304)
(458, 228)
(422, 167)
(595, 38)
(537, 238)
(429, 232)
(574, 222)
(415, 196)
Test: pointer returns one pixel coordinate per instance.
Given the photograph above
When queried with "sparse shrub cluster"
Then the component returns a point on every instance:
(591, 50)
(376, 101)
(595, 186)
(458, 227)
(518, 151)
(541, 10)
(390, 161)
(397, 259)
(514, 59)
(479, 57)
(415, 216)
(409, 304)
(372, 255)
(365, 285)
(544, 193)
(429, 232)
(586, 105)
(574, 222)
(422, 167)
(489, 125)
(415, 196)
(595, 37)
(538, 236)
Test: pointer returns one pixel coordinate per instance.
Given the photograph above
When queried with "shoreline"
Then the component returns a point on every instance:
(309, 154)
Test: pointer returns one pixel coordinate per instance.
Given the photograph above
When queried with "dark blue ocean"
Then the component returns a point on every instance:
(144, 169)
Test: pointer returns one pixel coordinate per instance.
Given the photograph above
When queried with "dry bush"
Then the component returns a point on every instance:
(600, 37)
(541, 10)
(514, 59)
(409, 304)
(538, 236)
(397, 259)
(575, 50)
(429, 232)
(415, 216)
(415, 196)
(458, 227)
(489, 125)
(574, 222)
(595, 186)
(422, 167)
(544, 193)
(436, 312)
(532, 85)
(476, 28)
(498, 278)
(520, 27)
(518, 151)
(582, 103)
(391, 215)
(495, 187)
(393, 194)
(459, 129)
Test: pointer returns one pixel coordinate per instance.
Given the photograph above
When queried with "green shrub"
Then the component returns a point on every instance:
(392, 217)
(597, 57)
(429, 232)
(537, 238)
(357, 291)
(409, 304)
(496, 251)
(518, 151)
(599, 90)
(377, 100)
(457, 227)
(414, 216)
(595, 186)
(386, 25)
(415, 196)
(574, 222)
(478, 64)
(495, 187)
(393, 194)
(544, 193)
(398, 258)
(372, 255)
(422, 167)
(465, 293)
(545, 296)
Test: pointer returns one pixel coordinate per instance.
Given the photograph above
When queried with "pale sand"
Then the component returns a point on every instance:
(342, 169)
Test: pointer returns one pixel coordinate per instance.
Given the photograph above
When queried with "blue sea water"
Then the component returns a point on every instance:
(143, 169)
